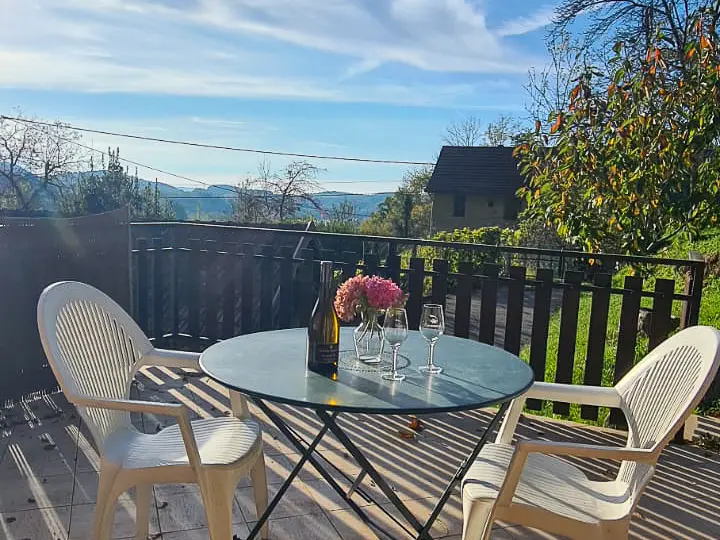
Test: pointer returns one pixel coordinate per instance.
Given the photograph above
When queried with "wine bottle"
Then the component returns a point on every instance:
(323, 329)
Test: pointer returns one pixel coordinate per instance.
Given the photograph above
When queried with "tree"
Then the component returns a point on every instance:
(34, 160)
(638, 23)
(633, 165)
(503, 131)
(405, 213)
(276, 195)
(341, 218)
(549, 88)
(469, 132)
(111, 188)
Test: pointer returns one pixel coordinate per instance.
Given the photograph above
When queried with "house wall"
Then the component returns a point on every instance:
(478, 212)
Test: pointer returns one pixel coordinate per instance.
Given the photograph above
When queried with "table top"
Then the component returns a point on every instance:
(271, 365)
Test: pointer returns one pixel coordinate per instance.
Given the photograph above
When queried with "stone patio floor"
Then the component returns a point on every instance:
(48, 473)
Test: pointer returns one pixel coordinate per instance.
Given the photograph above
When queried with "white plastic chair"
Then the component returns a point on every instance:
(95, 349)
(527, 485)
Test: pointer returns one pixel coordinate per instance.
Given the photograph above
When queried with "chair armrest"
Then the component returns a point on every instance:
(174, 410)
(571, 393)
(172, 359)
(524, 448)
(620, 453)
(566, 393)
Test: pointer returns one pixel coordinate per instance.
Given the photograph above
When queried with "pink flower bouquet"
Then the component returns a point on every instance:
(364, 295)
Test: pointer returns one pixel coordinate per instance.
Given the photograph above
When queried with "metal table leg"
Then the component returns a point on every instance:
(306, 455)
(329, 424)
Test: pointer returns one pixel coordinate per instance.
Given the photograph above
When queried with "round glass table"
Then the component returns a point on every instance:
(269, 367)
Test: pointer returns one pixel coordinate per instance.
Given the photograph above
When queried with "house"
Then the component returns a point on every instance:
(474, 186)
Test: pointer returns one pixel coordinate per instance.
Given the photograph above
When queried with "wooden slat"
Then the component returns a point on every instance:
(305, 289)
(143, 282)
(415, 290)
(267, 280)
(463, 295)
(372, 261)
(212, 290)
(392, 264)
(285, 296)
(540, 327)
(514, 311)
(247, 282)
(661, 324)
(595, 357)
(488, 303)
(349, 268)
(627, 337)
(193, 287)
(568, 334)
(175, 302)
(158, 288)
(228, 289)
(440, 282)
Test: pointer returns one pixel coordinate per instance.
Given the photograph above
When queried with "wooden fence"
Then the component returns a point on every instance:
(205, 291)
(35, 252)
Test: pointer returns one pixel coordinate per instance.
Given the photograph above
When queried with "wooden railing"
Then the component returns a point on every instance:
(206, 290)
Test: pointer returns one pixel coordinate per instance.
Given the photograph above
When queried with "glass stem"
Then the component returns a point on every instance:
(394, 360)
(431, 354)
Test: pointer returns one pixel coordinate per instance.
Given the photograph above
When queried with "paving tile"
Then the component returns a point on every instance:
(29, 492)
(38, 524)
(239, 529)
(47, 450)
(123, 526)
(308, 527)
(296, 501)
(184, 510)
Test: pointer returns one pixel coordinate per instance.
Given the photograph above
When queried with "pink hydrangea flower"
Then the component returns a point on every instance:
(363, 293)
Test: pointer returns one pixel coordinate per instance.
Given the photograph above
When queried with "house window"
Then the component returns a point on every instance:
(458, 205)
(491, 203)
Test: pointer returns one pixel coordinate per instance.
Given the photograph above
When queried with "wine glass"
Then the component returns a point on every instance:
(395, 332)
(432, 326)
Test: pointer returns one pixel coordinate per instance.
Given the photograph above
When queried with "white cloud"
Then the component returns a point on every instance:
(282, 49)
(527, 24)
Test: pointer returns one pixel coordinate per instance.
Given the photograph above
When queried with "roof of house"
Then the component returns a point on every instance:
(490, 170)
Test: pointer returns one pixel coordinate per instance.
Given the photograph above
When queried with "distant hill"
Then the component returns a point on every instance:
(215, 202)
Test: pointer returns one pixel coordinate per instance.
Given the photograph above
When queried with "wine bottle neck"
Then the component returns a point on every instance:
(325, 281)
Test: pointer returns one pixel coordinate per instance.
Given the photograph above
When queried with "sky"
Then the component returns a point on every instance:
(365, 78)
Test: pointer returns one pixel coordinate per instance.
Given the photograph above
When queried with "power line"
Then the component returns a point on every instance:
(219, 147)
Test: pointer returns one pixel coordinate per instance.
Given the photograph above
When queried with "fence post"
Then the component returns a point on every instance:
(693, 287)
(514, 308)
(228, 290)
(267, 275)
(488, 303)
(540, 328)
(568, 335)
(416, 282)
(463, 299)
(142, 284)
(247, 280)
(440, 282)
(193, 288)
(158, 288)
(597, 333)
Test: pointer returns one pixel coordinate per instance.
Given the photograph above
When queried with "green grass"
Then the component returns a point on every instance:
(709, 314)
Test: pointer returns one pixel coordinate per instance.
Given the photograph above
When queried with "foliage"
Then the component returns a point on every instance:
(111, 188)
(630, 167)
(341, 218)
(407, 212)
(638, 22)
(34, 159)
(276, 195)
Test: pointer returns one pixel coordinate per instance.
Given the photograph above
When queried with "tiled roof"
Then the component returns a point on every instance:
(488, 170)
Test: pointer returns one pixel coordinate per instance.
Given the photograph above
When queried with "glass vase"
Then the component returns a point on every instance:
(368, 338)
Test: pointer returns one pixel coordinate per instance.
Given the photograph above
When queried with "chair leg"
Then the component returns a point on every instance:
(218, 496)
(477, 519)
(105, 505)
(260, 493)
(142, 510)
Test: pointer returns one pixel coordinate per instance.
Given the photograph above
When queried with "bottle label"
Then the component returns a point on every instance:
(325, 354)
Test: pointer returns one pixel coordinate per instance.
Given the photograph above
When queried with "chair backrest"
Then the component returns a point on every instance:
(662, 390)
(93, 347)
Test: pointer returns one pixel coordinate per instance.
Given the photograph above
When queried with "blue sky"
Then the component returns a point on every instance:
(367, 78)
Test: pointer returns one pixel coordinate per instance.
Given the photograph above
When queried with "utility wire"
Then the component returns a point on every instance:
(219, 147)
